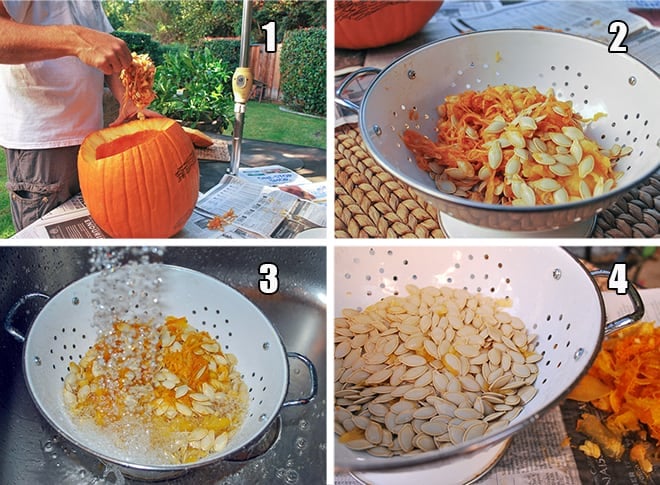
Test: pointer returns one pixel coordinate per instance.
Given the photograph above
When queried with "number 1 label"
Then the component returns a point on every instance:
(271, 36)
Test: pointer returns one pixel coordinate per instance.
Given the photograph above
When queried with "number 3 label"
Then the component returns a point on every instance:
(620, 30)
(618, 279)
(270, 283)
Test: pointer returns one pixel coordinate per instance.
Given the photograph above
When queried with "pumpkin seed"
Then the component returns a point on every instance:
(547, 184)
(411, 403)
(495, 155)
(560, 139)
(495, 127)
(544, 158)
(576, 149)
(573, 133)
(586, 166)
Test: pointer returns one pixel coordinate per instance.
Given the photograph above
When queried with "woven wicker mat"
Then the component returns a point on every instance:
(370, 203)
(218, 152)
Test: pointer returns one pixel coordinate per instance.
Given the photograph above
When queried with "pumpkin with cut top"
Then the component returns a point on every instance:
(139, 179)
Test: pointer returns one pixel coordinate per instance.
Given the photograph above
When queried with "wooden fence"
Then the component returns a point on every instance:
(265, 68)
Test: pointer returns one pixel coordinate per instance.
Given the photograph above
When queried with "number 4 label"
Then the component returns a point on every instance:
(270, 283)
(618, 279)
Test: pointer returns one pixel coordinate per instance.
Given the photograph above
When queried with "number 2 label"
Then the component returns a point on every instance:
(620, 30)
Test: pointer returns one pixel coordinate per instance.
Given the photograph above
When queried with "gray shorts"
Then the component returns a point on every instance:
(40, 180)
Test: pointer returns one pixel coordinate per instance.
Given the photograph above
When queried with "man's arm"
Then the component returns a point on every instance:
(20, 43)
(127, 110)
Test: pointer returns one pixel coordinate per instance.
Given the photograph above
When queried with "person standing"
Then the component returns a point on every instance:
(55, 58)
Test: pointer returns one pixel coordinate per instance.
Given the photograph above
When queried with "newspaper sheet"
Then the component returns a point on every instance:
(287, 180)
(585, 18)
(258, 211)
(71, 220)
(540, 453)
(252, 211)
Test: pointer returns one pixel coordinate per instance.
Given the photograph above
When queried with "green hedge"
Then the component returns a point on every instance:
(191, 86)
(228, 50)
(141, 44)
(303, 70)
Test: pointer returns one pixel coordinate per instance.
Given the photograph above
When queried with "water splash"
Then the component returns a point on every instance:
(128, 285)
(109, 258)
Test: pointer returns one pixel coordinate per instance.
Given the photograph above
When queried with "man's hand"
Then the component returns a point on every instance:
(130, 113)
(102, 51)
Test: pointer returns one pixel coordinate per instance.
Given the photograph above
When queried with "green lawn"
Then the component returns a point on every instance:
(267, 122)
(6, 226)
(263, 121)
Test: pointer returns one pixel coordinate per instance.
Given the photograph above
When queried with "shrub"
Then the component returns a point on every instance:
(191, 86)
(228, 50)
(303, 70)
(142, 43)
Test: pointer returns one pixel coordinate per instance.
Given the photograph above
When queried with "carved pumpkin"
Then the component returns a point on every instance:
(139, 179)
(367, 24)
(199, 138)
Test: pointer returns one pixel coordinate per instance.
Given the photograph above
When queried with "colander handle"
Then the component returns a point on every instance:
(339, 93)
(635, 315)
(9, 319)
(312, 376)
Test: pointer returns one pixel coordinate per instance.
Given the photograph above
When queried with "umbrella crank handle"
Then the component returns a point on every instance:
(241, 84)
(313, 378)
(9, 319)
(637, 303)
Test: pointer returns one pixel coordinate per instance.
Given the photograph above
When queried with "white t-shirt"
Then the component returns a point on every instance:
(52, 103)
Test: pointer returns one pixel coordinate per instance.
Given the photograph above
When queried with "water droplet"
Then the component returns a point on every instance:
(291, 476)
(266, 346)
(301, 443)
(303, 425)
(48, 446)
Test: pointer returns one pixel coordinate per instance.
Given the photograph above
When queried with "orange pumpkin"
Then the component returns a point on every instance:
(139, 179)
(367, 24)
(199, 138)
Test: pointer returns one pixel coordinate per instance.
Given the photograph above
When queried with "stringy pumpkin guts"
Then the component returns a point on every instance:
(514, 146)
(171, 384)
(220, 222)
(624, 382)
(138, 81)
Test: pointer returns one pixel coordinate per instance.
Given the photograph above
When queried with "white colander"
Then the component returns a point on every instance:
(548, 289)
(578, 69)
(62, 332)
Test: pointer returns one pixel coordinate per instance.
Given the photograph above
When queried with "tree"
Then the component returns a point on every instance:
(190, 21)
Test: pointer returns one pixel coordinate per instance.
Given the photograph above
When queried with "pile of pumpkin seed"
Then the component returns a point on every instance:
(434, 368)
(532, 166)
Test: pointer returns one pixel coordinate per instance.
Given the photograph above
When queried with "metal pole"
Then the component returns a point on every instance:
(241, 87)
